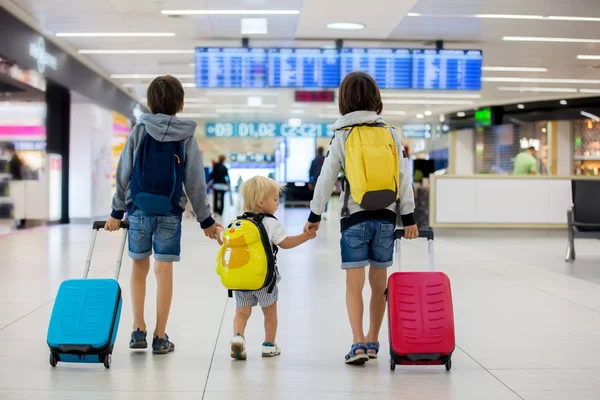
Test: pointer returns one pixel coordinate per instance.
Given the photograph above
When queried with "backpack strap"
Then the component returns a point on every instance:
(346, 185)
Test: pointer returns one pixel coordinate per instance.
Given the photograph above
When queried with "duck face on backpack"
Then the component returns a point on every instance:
(246, 260)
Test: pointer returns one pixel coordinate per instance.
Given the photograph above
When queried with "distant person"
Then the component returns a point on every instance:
(260, 195)
(315, 170)
(526, 163)
(220, 184)
(367, 235)
(159, 165)
(15, 165)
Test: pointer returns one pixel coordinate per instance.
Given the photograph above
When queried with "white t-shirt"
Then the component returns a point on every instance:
(275, 230)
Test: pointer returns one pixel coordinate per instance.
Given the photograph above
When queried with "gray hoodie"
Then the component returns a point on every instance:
(165, 128)
(335, 162)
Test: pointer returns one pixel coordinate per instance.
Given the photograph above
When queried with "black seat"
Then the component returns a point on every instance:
(583, 217)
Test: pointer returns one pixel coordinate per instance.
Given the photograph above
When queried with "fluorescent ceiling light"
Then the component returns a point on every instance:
(589, 90)
(588, 57)
(150, 76)
(247, 93)
(460, 114)
(432, 95)
(139, 52)
(230, 12)
(295, 122)
(428, 102)
(509, 16)
(115, 34)
(521, 106)
(428, 113)
(548, 39)
(198, 115)
(537, 80)
(514, 69)
(254, 101)
(345, 26)
(590, 115)
(538, 89)
(254, 26)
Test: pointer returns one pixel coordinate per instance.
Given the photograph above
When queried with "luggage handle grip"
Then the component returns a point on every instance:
(423, 233)
(100, 225)
(79, 348)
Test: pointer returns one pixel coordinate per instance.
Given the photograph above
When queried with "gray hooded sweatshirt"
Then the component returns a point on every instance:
(165, 128)
(335, 162)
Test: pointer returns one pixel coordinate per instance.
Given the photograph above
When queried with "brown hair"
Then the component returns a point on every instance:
(359, 92)
(165, 95)
(222, 158)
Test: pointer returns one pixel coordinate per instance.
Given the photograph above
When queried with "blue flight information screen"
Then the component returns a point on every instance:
(447, 69)
(231, 67)
(391, 68)
(304, 68)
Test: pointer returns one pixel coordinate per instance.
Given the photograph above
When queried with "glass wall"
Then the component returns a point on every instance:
(586, 145)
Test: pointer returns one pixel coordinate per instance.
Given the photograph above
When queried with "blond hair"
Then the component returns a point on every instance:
(255, 190)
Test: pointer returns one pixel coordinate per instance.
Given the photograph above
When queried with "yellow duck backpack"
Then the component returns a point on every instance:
(247, 260)
(372, 168)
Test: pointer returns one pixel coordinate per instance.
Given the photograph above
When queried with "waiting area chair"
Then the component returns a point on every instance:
(583, 217)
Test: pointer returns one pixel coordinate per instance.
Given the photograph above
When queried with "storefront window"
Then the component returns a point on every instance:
(586, 134)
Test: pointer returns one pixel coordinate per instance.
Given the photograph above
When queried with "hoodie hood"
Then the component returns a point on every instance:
(167, 128)
(358, 118)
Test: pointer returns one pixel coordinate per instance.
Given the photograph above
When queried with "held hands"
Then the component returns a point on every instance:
(311, 229)
(411, 232)
(214, 232)
(112, 224)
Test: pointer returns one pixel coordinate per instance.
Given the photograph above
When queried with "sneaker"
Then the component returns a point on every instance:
(270, 350)
(138, 340)
(238, 347)
(162, 345)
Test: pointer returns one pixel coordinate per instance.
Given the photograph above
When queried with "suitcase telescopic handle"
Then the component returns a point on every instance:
(98, 225)
(423, 233)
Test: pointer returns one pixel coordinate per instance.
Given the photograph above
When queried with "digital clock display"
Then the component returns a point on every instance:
(304, 96)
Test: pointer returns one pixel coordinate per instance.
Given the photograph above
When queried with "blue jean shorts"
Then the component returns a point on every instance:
(368, 243)
(161, 233)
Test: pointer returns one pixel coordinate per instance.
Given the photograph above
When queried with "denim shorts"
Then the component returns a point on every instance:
(368, 243)
(163, 233)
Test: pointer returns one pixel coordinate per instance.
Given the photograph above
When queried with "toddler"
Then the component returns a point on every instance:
(261, 196)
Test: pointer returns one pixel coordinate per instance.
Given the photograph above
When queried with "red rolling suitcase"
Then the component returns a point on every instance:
(420, 315)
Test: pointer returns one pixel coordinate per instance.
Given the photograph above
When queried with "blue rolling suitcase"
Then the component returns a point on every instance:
(85, 318)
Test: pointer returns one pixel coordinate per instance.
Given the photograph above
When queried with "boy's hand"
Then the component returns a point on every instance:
(112, 224)
(213, 232)
(411, 232)
(312, 233)
(311, 227)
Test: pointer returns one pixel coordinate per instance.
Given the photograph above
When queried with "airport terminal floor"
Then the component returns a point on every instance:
(527, 323)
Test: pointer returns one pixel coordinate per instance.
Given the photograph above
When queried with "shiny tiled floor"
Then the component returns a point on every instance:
(528, 325)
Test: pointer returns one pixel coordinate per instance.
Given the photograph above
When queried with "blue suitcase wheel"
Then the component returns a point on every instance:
(53, 360)
(107, 360)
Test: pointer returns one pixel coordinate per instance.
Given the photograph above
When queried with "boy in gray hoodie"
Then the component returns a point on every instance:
(162, 233)
(367, 236)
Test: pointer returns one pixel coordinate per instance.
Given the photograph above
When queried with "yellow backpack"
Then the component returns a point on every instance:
(246, 261)
(372, 168)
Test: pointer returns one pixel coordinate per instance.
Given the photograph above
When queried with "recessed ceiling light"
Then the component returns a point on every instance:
(514, 69)
(115, 34)
(563, 103)
(295, 122)
(230, 12)
(428, 102)
(589, 90)
(420, 116)
(432, 96)
(345, 26)
(588, 57)
(537, 80)
(520, 106)
(254, 26)
(508, 16)
(538, 89)
(428, 113)
(544, 130)
(460, 114)
(548, 39)
(139, 52)
(150, 76)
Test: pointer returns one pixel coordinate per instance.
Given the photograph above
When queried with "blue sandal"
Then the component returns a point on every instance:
(357, 359)
(372, 349)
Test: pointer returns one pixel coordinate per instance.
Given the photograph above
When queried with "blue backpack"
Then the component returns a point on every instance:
(157, 178)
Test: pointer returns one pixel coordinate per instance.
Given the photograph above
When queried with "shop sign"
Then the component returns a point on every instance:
(252, 158)
(37, 50)
(416, 131)
(527, 143)
(267, 130)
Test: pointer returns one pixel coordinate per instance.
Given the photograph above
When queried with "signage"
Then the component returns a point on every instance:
(54, 187)
(252, 158)
(391, 68)
(306, 96)
(37, 50)
(304, 68)
(416, 131)
(30, 146)
(218, 67)
(447, 69)
(527, 143)
(483, 117)
(266, 130)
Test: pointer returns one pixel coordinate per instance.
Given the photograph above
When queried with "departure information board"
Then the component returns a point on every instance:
(447, 69)
(231, 67)
(391, 68)
(304, 68)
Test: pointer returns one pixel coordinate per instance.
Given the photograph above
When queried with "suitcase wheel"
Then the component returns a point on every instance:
(449, 365)
(53, 360)
(107, 360)
(392, 364)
